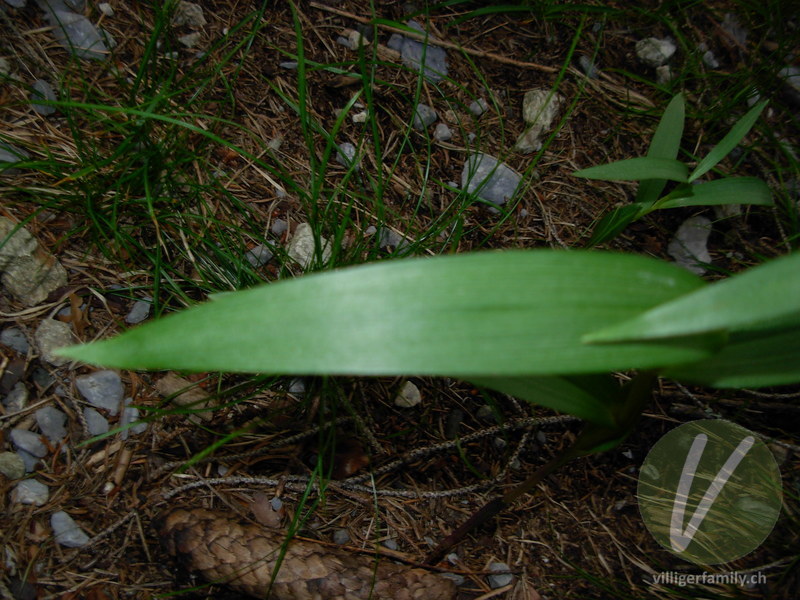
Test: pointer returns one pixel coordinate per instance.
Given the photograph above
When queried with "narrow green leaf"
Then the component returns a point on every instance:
(762, 360)
(636, 169)
(666, 144)
(611, 225)
(734, 190)
(729, 142)
(763, 294)
(484, 314)
(590, 397)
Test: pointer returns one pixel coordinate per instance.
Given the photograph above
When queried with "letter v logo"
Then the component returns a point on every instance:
(678, 537)
(710, 491)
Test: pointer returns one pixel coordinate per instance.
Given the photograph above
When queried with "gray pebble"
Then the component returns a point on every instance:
(96, 423)
(434, 66)
(17, 398)
(279, 227)
(499, 579)
(389, 238)
(456, 578)
(51, 423)
(341, 537)
(346, 155)
(258, 256)
(424, 116)
(31, 462)
(587, 66)
(12, 465)
(288, 64)
(489, 179)
(371, 230)
(50, 336)
(390, 544)
(66, 530)
(130, 415)
(478, 107)
(442, 133)
(276, 504)
(689, 247)
(139, 311)
(30, 491)
(297, 386)
(103, 389)
(42, 91)
(12, 154)
(14, 338)
(28, 441)
(654, 52)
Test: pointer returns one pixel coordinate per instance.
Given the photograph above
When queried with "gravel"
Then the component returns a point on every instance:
(66, 530)
(42, 91)
(500, 579)
(655, 52)
(689, 247)
(12, 465)
(424, 116)
(51, 423)
(489, 179)
(50, 336)
(28, 441)
(96, 423)
(139, 311)
(31, 491)
(442, 133)
(14, 338)
(102, 389)
(408, 397)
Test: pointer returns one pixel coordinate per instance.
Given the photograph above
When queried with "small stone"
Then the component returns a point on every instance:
(51, 423)
(303, 249)
(346, 154)
(258, 256)
(279, 227)
(17, 398)
(139, 311)
(710, 60)
(30, 491)
(453, 558)
(11, 154)
(50, 336)
(341, 537)
(189, 14)
(288, 64)
(28, 441)
(190, 40)
(390, 544)
(361, 117)
(102, 389)
(500, 579)
(731, 26)
(29, 272)
(15, 339)
(185, 393)
(459, 580)
(130, 414)
(389, 238)
(442, 133)
(663, 75)
(587, 66)
(42, 91)
(106, 9)
(654, 52)
(12, 465)
(66, 530)
(96, 423)
(489, 179)
(371, 230)
(31, 461)
(689, 247)
(424, 116)
(434, 65)
(408, 397)
(539, 110)
(478, 107)
(297, 386)
(356, 39)
(75, 32)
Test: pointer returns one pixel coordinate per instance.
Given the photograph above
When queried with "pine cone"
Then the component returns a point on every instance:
(243, 556)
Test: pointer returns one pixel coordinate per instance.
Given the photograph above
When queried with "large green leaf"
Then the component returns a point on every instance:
(483, 314)
(752, 359)
(763, 294)
(593, 398)
(734, 190)
(666, 144)
(637, 169)
(729, 142)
